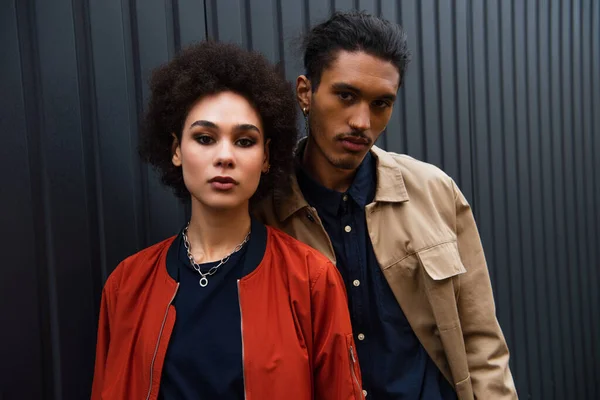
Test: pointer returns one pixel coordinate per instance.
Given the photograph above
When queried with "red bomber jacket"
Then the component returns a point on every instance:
(296, 335)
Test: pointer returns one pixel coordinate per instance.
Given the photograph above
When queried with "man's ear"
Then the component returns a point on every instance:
(303, 93)
(176, 151)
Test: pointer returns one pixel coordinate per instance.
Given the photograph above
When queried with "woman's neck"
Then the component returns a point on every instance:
(214, 234)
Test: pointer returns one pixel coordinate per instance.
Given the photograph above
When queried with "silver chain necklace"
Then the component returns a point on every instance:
(204, 276)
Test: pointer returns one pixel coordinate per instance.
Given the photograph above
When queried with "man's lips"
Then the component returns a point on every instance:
(354, 144)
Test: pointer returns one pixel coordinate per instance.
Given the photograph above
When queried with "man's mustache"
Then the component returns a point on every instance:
(354, 134)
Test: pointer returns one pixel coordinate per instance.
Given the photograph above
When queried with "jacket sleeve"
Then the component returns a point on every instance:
(103, 341)
(487, 351)
(336, 369)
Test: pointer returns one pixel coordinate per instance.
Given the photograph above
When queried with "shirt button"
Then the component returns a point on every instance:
(361, 337)
(356, 282)
(348, 228)
(345, 197)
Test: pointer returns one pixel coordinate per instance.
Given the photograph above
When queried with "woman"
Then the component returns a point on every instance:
(228, 308)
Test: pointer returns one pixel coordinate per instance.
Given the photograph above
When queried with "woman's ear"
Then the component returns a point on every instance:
(176, 151)
(266, 161)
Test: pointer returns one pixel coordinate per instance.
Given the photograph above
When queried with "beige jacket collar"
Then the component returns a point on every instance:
(390, 184)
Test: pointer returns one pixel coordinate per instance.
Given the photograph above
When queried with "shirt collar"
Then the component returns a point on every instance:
(390, 185)
(361, 191)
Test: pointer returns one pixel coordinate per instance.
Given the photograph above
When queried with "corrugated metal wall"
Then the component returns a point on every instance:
(504, 95)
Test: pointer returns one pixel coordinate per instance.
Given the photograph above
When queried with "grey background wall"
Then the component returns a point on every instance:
(504, 95)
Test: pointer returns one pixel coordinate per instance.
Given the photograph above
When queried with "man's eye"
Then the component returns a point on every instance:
(346, 96)
(381, 104)
(245, 142)
(204, 139)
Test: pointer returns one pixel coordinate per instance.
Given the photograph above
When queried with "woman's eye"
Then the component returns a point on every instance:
(245, 142)
(204, 139)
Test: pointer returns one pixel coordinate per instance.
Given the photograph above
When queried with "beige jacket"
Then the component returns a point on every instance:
(428, 247)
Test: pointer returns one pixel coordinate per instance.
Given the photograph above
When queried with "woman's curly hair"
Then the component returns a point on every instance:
(209, 68)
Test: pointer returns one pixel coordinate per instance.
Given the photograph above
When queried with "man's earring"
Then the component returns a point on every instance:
(268, 169)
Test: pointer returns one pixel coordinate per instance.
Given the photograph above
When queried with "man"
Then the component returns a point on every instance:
(399, 230)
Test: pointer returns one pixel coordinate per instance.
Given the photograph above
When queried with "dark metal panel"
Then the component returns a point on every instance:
(481, 150)
(191, 21)
(164, 214)
(595, 134)
(116, 135)
(19, 301)
(369, 6)
(430, 86)
(447, 125)
(231, 23)
(345, 5)
(586, 208)
(65, 201)
(516, 196)
(538, 335)
(499, 261)
(293, 19)
(580, 274)
(413, 92)
(394, 137)
(548, 126)
(462, 83)
(318, 10)
(558, 194)
(265, 28)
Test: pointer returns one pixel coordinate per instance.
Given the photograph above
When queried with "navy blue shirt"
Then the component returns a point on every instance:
(204, 357)
(393, 362)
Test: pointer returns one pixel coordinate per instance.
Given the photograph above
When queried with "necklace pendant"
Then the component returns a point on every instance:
(203, 281)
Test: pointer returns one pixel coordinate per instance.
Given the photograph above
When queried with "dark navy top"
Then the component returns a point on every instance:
(393, 362)
(204, 357)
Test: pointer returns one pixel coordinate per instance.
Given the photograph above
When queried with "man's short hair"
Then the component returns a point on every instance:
(353, 31)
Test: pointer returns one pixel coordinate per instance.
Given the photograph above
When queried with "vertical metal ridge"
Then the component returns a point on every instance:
(246, 20)
(589, 178)
(556, 125)
(537, 367)
(471, 102)
(143, 202)
(89, 124)
(586, 366)
(522, 242)
(438, 71)
(595, 68)
(419, 45)
(170, 17)
(176, 26)
(30, 67)
(565, 52)
(280, 36)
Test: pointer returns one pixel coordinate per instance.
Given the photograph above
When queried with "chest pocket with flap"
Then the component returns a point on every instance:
(441, 268)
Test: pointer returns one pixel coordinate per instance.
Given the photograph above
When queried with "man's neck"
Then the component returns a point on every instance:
(320, 169)
(213, 234)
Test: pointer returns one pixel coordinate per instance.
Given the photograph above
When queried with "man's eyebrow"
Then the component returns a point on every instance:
(205, 124)
(340, 86)
(345, 86)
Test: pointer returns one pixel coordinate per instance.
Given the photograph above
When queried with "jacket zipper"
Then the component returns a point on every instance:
(354, 373)
(162, 327)
(242, 332)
